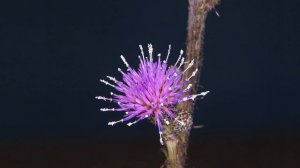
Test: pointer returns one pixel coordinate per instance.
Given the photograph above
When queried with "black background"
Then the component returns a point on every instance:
(53, 53)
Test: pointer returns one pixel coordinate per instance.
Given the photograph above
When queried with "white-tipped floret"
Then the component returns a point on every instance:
(193, 74)
(134, 122)
(112, 123)
(125, 62)
(107, 109)
(112, 79)
(189, 66)
(103, 98)
(107, 83)
(181, 52)
(193, 97)
(150, 50)
(188, 87)
(142, 51)
(160, 138)
(181, 63)
(169, 50)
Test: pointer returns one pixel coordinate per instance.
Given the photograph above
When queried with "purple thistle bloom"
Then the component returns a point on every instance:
(152, 91)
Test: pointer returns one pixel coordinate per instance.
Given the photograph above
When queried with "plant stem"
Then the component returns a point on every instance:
(177, 137)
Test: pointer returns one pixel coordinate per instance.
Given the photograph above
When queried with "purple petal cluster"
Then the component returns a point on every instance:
(151, 91)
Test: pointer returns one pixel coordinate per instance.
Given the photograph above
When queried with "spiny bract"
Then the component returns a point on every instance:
(152, 91)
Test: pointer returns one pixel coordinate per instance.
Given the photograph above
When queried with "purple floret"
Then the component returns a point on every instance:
(152, 90)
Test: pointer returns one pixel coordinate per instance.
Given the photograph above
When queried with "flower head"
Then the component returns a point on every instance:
(151, 91)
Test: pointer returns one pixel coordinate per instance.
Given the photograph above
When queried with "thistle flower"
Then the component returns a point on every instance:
(152, 91)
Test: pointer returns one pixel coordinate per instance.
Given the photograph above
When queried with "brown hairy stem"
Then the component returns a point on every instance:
(176, 136)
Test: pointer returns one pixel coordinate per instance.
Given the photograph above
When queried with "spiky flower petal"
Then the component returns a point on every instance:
(151, 91)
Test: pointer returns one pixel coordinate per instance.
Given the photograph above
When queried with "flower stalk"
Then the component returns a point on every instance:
(176, 136)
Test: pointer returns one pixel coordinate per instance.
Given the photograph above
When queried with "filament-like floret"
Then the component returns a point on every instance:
(152, 91)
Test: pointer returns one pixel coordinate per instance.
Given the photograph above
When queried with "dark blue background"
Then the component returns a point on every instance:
(53, 53)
